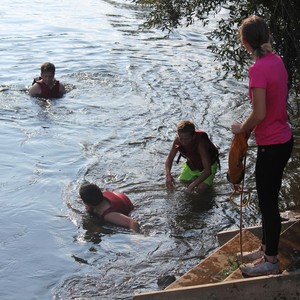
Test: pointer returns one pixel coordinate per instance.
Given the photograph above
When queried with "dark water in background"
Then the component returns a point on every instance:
(127, 91)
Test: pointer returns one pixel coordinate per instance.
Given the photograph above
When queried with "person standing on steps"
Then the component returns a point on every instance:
(268, 92)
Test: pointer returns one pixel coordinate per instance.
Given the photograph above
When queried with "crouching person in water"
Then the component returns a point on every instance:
(46, 86)
(201, 158)
(112, 207)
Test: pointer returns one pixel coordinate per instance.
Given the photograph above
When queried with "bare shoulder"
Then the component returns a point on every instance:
(62, 89)
(34, 90)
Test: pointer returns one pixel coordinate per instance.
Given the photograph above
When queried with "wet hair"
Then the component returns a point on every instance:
(255, 31)
(90, 194)
(186, 126)
(47, 67)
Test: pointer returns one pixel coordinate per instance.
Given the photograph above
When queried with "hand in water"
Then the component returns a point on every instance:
(170, 182)
(188, 191)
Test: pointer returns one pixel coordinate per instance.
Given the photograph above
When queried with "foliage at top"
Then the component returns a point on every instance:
(283, 18)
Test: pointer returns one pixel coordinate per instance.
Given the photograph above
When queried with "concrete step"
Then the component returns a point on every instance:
(288, 251)
(225, 236)
(217, 266)
(289, 247)
(258, 288)
(208, 279)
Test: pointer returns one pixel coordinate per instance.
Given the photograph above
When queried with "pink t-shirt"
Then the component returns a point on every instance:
(269, 73)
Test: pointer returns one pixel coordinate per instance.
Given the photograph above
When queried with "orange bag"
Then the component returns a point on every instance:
(237, 153)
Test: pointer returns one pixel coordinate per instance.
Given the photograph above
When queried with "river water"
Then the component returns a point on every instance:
(127, 90)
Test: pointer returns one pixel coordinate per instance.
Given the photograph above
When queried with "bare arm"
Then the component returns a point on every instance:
(62, 89)
(168, 167)
(257, 115)
(35, 90)
(122, 220)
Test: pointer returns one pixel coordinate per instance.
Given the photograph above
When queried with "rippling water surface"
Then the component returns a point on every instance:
(127, 90)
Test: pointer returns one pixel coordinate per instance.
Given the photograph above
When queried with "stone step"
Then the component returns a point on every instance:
(288, 251)
(257, 288)
(225, 236)
(205, 281)
(219, 264)
(289, 247)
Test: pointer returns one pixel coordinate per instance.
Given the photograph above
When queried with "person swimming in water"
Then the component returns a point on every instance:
(46, 86)
(112, 207)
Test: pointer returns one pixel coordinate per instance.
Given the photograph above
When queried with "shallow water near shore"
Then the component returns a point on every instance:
(127, 90)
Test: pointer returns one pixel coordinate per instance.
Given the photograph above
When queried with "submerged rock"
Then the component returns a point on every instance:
(164, 281)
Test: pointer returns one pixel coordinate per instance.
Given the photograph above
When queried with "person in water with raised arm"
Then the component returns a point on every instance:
(46, 86)
(268, 92)
(202, 158)
(112, 207)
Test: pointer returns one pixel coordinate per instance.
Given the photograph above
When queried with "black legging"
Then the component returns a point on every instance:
(270, 164)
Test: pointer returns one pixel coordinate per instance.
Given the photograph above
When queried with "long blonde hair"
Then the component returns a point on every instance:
(256, 32)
